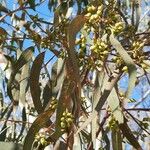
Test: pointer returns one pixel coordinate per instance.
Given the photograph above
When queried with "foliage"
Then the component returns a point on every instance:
(92, 48)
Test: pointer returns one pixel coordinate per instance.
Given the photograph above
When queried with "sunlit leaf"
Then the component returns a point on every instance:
(10, 146)
(114, 104)
(24, 84)
(128, 61)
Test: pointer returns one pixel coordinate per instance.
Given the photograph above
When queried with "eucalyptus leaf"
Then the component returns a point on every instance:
(34, 82)
(128, 61)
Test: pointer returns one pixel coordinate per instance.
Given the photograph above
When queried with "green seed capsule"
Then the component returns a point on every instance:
(69, 120)
(125, 68)
(88, 15)
(54, 106)
(63, 125)
(69, 115)
(62, 119)
(43, 141)
(105, 52)
(64, 113)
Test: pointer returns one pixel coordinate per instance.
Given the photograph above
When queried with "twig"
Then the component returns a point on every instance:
(137, 121)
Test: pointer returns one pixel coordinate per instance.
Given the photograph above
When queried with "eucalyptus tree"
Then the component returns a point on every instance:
(76, 77)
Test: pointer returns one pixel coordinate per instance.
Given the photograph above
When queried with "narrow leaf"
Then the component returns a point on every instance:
(10, 146)
(126, 131)
(72, 65)
(47, 94)
(128, 61)
(23, 59)
(114, 104)
(43, 120)
(34, 82)
(24, 119)
(116, 140)
(23, 84)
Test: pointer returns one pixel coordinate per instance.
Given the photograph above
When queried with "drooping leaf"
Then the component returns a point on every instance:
(43, 120)
(63, 104)
(47, 94)
(24, 58)
(72, 62)
(126, 131)
(96, 97)
(32, 4)
(57, 79)
(3, 132)
(4, 128)
(24, 84)
(24, 119)
(10, 146)
(116, 140)
(128, 61)
(138, 13)
(34, 82)
(114, 104)
(107, 89)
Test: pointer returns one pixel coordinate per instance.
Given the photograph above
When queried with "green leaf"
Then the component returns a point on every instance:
(114, 104)
(10, 146)
(47, 94)
(138, 13)
(63, 104)
(43, 120)
(128, 61)
(116, 140)
(3, 132)
(34, 82)
(24, 119)
(25, 57)
(126, 131)
(96, 97)
(23, 84)
(32, 4)
(72, 61)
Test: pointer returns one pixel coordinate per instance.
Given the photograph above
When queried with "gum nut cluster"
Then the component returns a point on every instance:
(66, 120)
(93, 13)
(137, 53)
(100, 47)
(41, 138)
(81, 41)
(113, 124)
(119, 61)
(45, 43)
(53, 103)
(118, 27)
